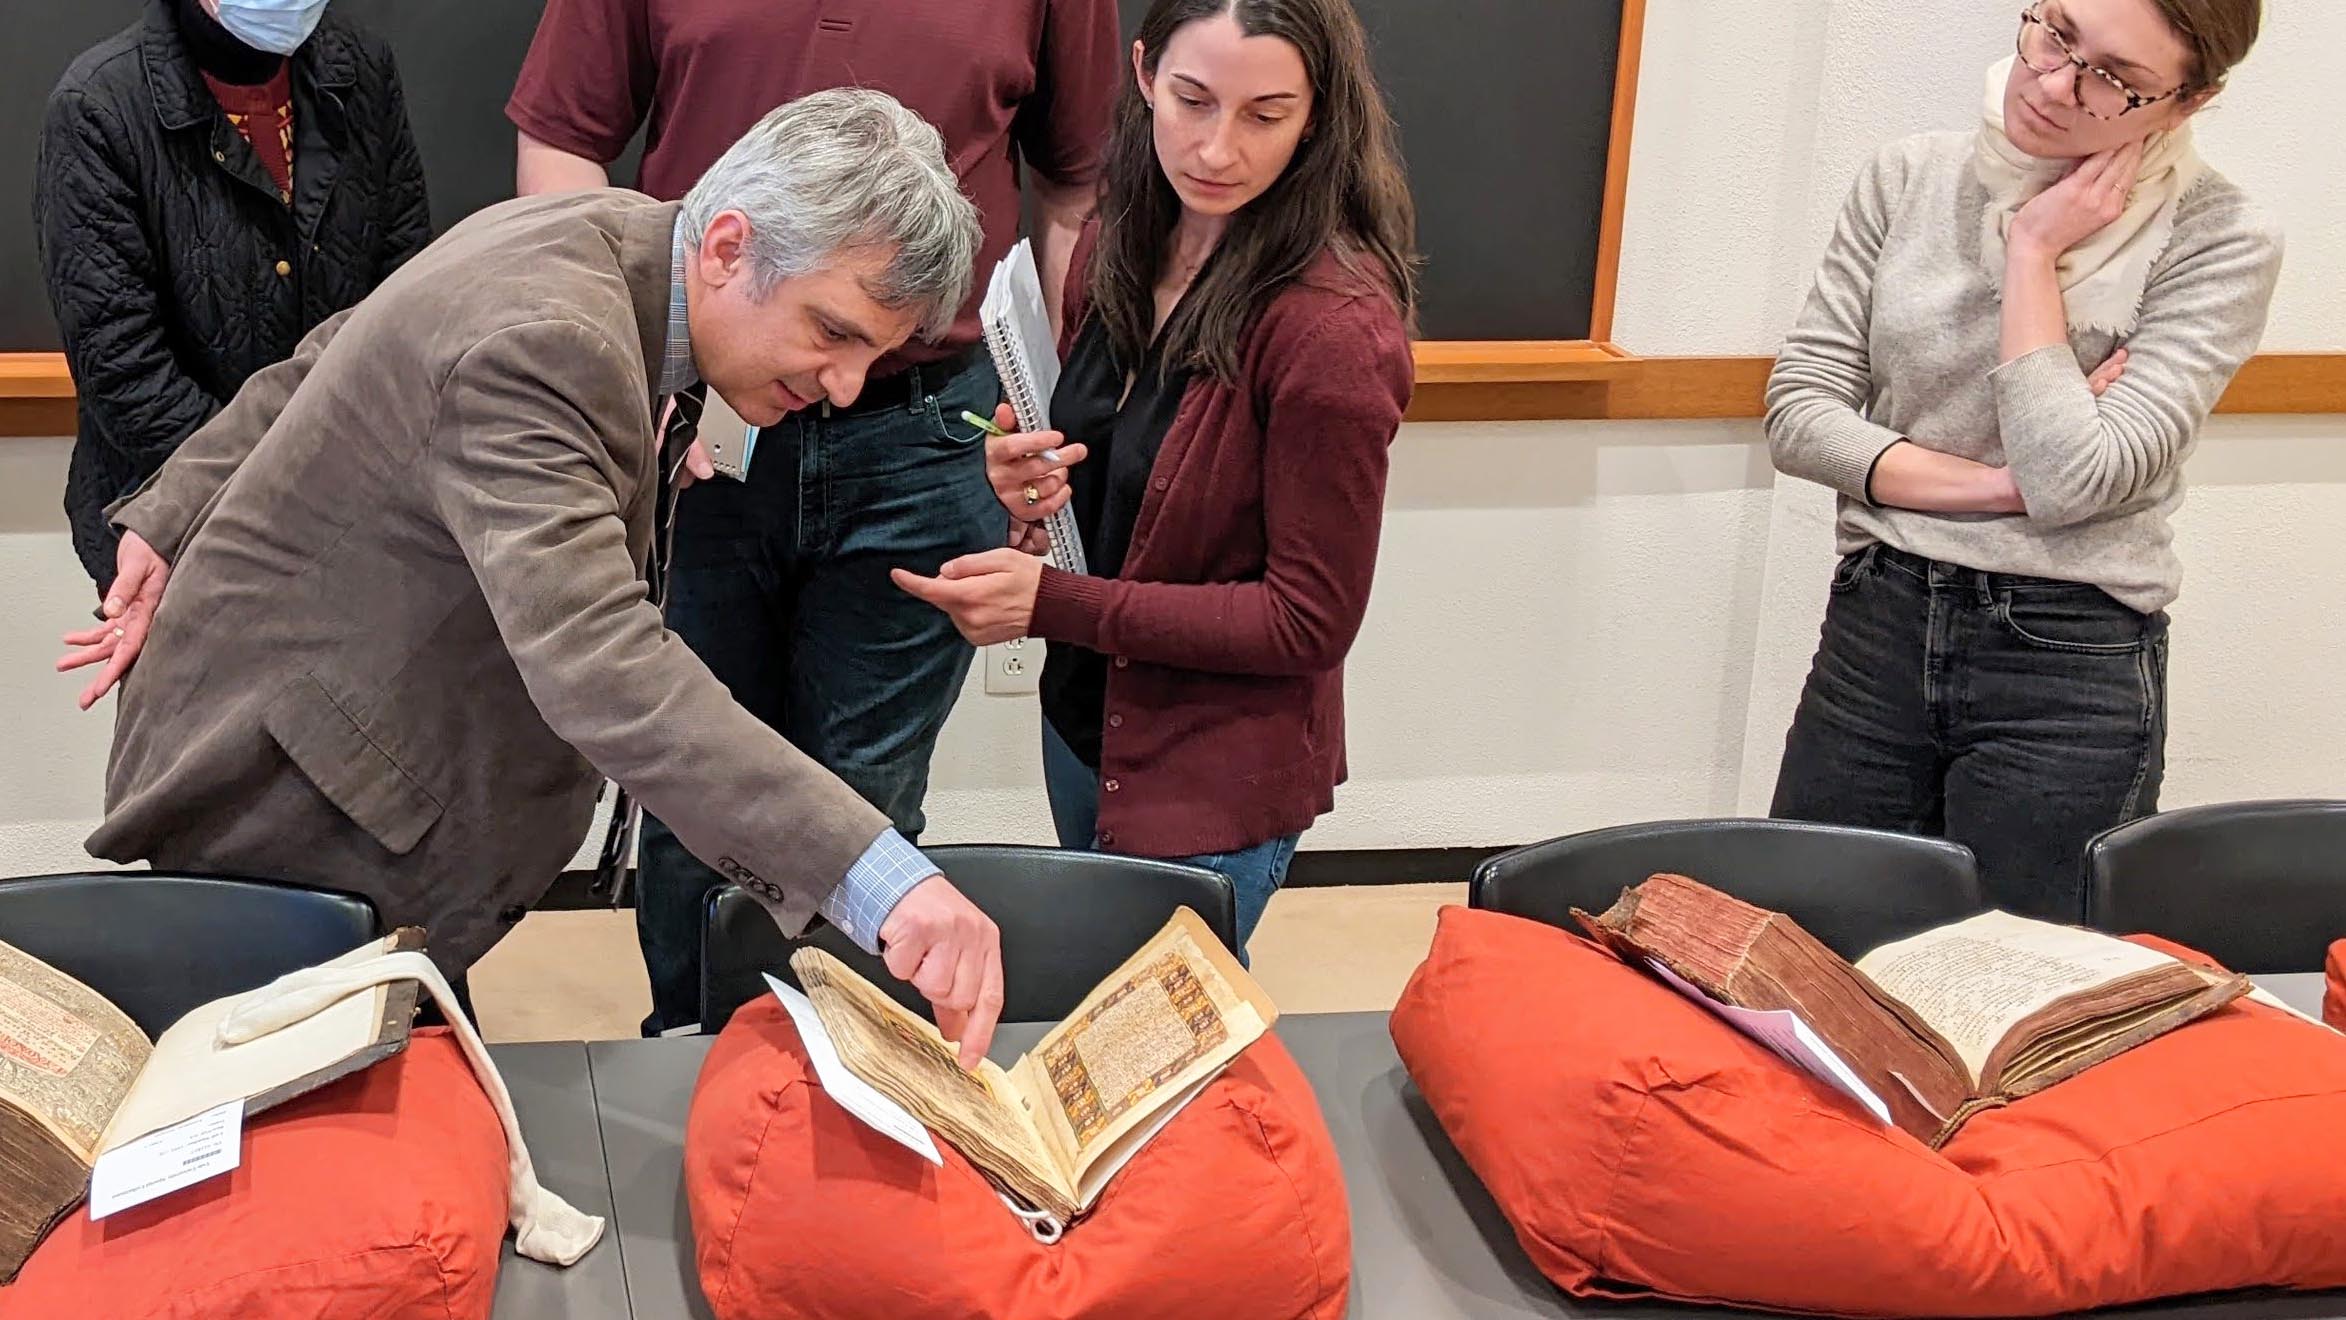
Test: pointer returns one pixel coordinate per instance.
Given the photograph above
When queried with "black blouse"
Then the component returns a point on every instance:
(1123, 439)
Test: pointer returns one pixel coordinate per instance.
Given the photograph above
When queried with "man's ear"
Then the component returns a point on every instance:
(723, 250)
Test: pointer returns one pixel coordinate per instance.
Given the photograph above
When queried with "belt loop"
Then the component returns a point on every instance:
(914, 396)
(1986, 583)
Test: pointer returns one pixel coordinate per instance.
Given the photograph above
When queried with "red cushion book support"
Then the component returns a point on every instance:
(1639, 1147)
(1235, 1211)
(379, 1197)
(2334, 988)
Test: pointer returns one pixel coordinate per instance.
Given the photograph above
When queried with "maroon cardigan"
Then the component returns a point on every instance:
(1246, 578)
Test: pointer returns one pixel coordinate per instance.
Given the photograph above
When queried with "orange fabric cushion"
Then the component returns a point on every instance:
(379, 1197)
(1235, 1211)
(2334, 993)
(1641, 1147)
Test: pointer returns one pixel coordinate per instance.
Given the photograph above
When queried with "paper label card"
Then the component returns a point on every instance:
(855, 1095)
(1791, 1039)
(165, 1160)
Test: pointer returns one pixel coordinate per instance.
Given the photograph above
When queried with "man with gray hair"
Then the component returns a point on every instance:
(409, 617)
(781, 577)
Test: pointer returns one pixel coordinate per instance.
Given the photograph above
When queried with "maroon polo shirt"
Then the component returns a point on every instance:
(1034, 77)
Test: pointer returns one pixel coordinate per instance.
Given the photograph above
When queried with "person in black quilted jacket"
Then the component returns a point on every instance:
(212, 182)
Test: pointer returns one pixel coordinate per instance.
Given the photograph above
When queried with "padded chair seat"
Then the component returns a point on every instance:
(158, 944)
(1067, 918)
(2255, 884)
(1853, 889)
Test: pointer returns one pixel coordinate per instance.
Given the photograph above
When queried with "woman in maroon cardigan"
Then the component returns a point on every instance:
(1236, 364)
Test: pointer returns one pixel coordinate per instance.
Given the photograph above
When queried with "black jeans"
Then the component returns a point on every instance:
(2017, 716)
(780, 585)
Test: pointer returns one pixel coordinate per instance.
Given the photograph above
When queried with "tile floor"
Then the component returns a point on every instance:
(577, 975)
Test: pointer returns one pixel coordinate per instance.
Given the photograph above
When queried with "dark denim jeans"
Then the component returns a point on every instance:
(1074, 788)
(780, 585)
(2017, 716)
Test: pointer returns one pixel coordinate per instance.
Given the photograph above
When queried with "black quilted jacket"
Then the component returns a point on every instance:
(173, 265)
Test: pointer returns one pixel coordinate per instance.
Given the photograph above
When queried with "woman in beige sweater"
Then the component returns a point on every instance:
(2013, 341)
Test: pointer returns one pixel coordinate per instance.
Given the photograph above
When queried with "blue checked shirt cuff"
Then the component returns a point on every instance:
(880, 878)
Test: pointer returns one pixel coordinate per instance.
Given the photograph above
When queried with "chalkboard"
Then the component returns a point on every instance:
(1505, 109)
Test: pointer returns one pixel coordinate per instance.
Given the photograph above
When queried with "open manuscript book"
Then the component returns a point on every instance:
(1056, 1126)
(1925, 1031)
(78, 1079)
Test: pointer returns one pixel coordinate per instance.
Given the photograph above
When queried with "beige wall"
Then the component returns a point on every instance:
(1583, 623)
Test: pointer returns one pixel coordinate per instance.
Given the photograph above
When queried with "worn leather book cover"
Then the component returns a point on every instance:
(1940, 1026)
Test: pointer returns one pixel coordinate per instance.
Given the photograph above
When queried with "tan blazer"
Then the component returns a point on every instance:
(407, 620)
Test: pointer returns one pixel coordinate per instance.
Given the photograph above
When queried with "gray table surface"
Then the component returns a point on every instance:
(2299, 990)
(554, 1097)
(1428, 1242)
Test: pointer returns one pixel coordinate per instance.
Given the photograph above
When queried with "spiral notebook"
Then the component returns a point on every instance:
(1026, 356)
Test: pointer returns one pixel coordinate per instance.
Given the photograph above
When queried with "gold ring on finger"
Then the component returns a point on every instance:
(1033, 496)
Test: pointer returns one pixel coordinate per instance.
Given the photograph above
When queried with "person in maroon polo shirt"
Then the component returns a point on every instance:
(779, 579)
(1236, 365)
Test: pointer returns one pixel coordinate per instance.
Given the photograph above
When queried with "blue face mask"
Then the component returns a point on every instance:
(279, 26)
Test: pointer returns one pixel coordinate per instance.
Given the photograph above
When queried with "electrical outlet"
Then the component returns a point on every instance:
(1014, 667)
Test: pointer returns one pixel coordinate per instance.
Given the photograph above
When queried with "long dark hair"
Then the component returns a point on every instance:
(1344, 189)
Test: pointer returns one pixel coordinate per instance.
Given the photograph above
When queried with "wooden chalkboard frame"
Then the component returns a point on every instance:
(1489, 380)
(1461, 380)
(1599, 379)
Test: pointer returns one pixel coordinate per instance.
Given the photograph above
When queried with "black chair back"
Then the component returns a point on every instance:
(1067, 918)
(160, 944)
(1853, 889)
(2258, 886)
